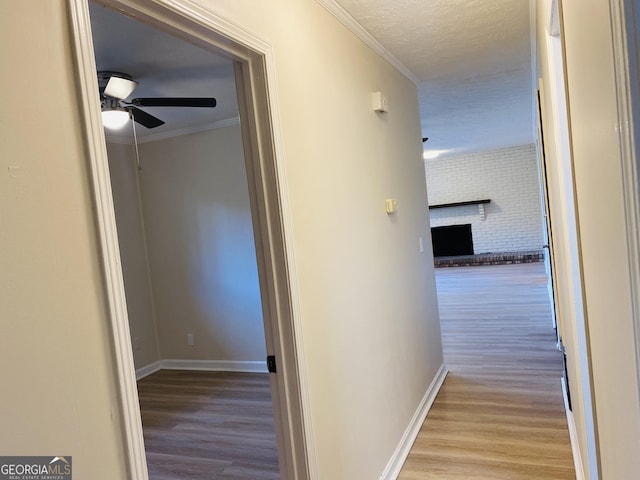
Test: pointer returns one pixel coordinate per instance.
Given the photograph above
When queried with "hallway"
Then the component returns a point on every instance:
(500, 412)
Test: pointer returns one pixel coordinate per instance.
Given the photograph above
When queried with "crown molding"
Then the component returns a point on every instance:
(154, 137)
(359, 31)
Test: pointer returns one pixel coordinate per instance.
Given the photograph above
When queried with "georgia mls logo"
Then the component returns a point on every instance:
(35, 468)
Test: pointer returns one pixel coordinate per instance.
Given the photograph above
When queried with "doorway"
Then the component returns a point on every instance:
(259, 136)
(193, 298)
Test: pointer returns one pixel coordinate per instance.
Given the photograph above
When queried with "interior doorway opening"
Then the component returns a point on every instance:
(188, 253)
(193, 298)
(259, 134)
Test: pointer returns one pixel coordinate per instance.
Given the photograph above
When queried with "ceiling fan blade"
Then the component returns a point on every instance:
(175, 102)
(144, 119)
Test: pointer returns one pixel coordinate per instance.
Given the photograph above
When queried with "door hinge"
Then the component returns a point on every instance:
(271, 363)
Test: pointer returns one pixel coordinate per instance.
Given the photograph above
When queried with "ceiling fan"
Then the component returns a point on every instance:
(116, 86)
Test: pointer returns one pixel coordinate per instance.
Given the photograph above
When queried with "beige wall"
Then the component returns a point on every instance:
(367, 295)
(186, 242)
(201, 247)
(598, 180)
(368, 300)
(133, 254)
(56, 364)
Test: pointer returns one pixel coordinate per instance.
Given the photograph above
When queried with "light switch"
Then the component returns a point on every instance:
(421, 243)
(391, 205)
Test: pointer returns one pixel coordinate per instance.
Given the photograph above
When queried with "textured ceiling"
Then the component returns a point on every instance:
(473, 61)
(472, 58)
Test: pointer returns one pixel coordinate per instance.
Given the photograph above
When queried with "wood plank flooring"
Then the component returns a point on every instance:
(500, 413)
(498, 416)
(208, 425)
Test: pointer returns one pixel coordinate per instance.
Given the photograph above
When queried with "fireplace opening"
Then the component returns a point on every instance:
(452, 240)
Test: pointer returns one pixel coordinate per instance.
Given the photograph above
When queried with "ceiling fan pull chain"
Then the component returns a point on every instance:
(135, 144)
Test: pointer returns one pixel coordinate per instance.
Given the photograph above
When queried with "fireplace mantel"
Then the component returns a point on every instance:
(480, 203)
(460, 204)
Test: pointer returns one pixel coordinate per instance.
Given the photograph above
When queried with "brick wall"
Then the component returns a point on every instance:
(509, 178)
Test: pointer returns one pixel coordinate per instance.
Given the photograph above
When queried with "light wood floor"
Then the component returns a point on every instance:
(208, 425)
(498, 416)
(500, 413)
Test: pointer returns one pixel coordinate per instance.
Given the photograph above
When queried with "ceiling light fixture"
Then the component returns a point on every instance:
(115, 118)
(433, 154)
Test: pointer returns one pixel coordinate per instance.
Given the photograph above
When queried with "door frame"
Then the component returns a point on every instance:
(625, 26)
(264, 159)
(549, 252)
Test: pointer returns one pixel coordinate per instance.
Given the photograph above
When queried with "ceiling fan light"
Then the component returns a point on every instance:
(120, 88)
(115, 119)
(433, 154)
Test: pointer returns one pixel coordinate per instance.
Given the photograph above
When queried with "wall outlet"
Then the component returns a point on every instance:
(190, 339)
(137, 344)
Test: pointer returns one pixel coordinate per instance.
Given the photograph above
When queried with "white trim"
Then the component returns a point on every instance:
(215, 365)
(148, 369)
(552, 26)
(212, 21)
(394, 466)
(241, 366)
(87, 84)
(573, 434)
(294, 294)
(155, 136)
(574, 323)
(626, 62)
(359, 31)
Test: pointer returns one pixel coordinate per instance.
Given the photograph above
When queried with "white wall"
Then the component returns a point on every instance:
(56, 362)
(133, 254)
(509, 178)
(200, 240)
(593, 115)
(370, 326)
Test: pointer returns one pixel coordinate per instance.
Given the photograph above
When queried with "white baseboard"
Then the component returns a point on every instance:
(573, 435)
(392, 470)
(206, 365)
(216, 365)
(148, 369)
